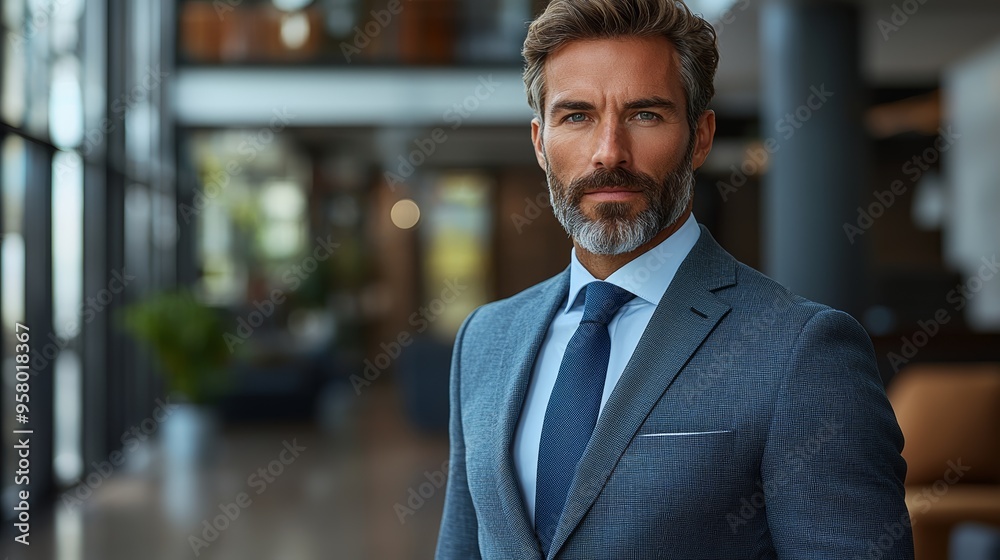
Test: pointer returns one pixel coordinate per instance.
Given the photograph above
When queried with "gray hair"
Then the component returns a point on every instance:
(569, 20)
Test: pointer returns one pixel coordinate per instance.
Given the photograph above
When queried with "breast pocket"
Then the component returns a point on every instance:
(676, 471)
(684, 434)
(697, 452)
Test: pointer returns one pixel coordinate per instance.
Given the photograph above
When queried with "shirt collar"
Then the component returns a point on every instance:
(648, 275)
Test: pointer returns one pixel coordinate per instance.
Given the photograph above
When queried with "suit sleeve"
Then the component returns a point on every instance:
(831, 471)
(459, 535)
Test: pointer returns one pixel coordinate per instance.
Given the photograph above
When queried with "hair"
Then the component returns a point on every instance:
(569, 20)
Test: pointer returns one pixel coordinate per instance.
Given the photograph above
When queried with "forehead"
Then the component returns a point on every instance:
(630, 67)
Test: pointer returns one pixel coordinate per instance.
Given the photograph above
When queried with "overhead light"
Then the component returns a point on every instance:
(711, 10)
(291, 5)
(405, 214)
(294, 30)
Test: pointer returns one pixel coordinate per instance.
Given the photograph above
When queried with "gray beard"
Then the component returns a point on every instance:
(613, 232)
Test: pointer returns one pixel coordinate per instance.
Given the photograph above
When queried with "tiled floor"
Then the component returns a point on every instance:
(336, 500)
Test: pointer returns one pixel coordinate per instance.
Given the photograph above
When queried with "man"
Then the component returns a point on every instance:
(658, 399)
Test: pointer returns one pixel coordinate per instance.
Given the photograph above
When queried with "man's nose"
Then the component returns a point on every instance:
(612, 149)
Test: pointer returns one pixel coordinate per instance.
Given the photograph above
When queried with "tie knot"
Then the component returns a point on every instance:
(603, 301)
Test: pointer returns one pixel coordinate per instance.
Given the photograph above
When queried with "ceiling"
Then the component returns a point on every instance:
(938, 34)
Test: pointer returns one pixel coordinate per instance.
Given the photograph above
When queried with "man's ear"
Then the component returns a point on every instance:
(704, 137)
(536, 141)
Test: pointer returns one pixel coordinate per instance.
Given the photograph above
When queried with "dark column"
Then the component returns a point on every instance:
(812, 98)
(96, 438)
(37, 229)
(118, 348)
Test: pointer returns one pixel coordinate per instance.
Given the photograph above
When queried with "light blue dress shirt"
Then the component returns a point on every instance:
(648, 277)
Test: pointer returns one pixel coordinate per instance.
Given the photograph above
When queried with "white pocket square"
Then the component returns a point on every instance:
(662, 434)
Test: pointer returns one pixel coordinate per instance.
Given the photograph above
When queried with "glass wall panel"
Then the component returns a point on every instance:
(14, 163)
(69, 313)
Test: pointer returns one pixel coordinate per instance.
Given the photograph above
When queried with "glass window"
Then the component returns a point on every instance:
(12, 263)
(42, 100)
(67, 296)
(13, 105)
(457, 239)
(249, 211)
(66, 103)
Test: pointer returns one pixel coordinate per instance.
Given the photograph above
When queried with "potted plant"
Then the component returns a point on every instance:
(185, 337)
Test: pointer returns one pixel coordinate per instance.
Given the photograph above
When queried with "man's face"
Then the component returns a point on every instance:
(616, 146)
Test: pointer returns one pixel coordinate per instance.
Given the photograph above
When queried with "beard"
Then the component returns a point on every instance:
(616, 227)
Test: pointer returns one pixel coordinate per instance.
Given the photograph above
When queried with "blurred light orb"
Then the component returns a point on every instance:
(66, 104)
(340, 20)
(294, 30)
(283, 200)
(291, 5)
(405, 214)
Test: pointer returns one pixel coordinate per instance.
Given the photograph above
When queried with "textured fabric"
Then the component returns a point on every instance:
(749, 423)
(647, 276)
(573, 405)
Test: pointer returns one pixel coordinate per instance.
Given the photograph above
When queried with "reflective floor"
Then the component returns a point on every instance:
(367, 487)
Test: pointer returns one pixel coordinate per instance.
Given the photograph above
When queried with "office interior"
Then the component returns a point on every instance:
(241, 235)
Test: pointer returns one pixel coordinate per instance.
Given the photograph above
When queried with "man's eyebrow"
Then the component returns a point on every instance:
(644, 103)
(652, 102)
(570, 105)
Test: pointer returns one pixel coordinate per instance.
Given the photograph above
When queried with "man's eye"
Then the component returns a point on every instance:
(647, 116)
(575, 117)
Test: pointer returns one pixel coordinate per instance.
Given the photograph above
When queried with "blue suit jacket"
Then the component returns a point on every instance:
(749, 423)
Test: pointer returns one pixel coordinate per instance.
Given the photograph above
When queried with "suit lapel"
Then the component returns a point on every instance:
(524, 339)
(685, 316)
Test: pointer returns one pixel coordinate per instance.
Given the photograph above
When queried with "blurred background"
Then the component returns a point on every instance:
(243, 234)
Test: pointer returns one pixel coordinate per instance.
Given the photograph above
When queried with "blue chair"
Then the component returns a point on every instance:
(973, 541)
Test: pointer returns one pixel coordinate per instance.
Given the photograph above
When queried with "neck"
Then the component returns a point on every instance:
(602, 266)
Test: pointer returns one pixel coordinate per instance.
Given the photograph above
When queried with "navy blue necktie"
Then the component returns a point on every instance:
(571, 414)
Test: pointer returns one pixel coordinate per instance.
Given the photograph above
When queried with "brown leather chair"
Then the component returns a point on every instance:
(950, 418)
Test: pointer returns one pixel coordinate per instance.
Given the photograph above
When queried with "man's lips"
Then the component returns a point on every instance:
(611, 194)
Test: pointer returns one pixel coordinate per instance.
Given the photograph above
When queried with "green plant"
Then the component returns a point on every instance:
(186, 337)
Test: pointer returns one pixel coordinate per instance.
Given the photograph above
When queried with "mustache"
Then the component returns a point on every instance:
(616, 177)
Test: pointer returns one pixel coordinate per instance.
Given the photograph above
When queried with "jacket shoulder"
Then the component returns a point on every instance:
(772, 304)
(507, 308)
